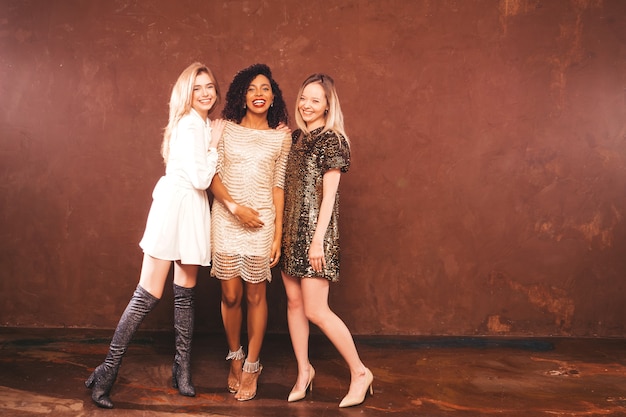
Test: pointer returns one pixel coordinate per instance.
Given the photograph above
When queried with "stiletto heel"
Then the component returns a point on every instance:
(234, 374)
(349, 401)
(299, 395)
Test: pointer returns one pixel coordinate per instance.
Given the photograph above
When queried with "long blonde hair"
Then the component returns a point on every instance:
(180, 100)
(333, 119)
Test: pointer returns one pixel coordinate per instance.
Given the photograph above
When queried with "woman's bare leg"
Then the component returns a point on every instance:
(232, 293)
(154, 274)
(315, 296)
(298, 329)
(185, 275)
(257, 322)
(257, 318)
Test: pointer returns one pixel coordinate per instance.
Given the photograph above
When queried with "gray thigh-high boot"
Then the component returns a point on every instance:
(183, 329)
(102, 379)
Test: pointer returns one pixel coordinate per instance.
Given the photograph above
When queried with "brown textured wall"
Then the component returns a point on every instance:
(487, 192)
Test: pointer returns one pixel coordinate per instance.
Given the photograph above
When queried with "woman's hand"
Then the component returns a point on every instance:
(247, 216)
(316, 256)
(275, 253)
(283, 128)
(217, 128)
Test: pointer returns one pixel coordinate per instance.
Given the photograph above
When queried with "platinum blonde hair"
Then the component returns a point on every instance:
(333, 119)
(180, 100)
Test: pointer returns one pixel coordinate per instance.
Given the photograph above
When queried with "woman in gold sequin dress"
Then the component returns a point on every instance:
(320, 152)
(247, 214)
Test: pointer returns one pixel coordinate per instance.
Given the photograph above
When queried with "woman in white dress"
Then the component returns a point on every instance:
(177, 229)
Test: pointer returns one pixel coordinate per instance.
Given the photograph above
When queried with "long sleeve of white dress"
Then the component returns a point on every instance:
(190, 157)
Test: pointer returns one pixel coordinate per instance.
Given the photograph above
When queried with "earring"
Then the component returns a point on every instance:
(272, 105)
(244, 106)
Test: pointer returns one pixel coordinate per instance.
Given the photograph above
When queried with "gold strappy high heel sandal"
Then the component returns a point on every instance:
(234, 375)
(249, 379)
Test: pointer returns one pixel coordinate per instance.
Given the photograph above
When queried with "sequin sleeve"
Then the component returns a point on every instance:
(335, 152)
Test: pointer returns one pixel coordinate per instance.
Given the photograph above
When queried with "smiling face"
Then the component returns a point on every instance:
(313, 105)
(259, 96)
(204, 94)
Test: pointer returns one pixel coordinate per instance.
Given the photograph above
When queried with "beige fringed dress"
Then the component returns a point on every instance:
(250, 164)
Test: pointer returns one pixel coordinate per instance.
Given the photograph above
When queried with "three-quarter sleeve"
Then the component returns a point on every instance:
(281, 163)
(220, 157)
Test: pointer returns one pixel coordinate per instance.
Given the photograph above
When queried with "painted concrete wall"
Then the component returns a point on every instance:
(488, 188)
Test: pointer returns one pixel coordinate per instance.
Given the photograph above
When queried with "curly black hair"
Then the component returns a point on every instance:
(234, 109)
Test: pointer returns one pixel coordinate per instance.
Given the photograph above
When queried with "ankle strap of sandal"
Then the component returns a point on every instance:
(251, 367)
(239, 354)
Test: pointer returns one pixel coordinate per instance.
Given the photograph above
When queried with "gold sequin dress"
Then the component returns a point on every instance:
(250, 164)
(310, 157)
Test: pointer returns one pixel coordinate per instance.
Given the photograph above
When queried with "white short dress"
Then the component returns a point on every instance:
(179, 222)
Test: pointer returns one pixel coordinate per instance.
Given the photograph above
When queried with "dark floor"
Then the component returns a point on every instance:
(42, 373)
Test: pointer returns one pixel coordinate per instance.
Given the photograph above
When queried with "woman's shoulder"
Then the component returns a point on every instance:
(191, 119)
(230, 125)
(331, 137)
(330, 134)
(231, 128)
